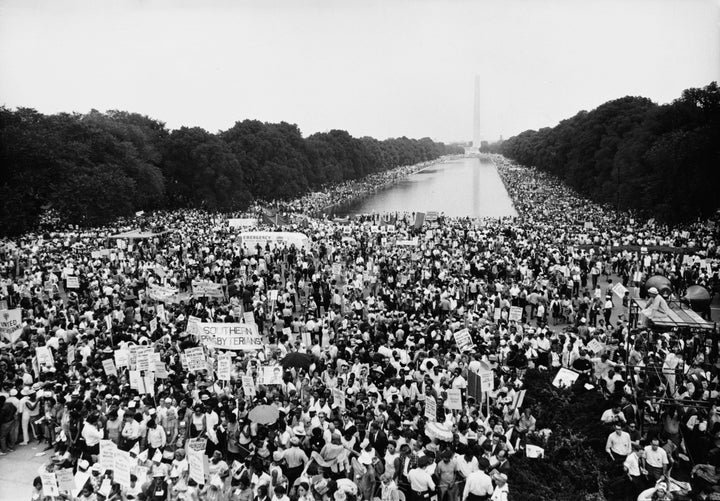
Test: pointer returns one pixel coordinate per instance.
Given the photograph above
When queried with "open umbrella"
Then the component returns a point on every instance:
(438, 431)
(264, 414)
(297, 360)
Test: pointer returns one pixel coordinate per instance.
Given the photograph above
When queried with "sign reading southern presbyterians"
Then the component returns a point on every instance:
(228, 336)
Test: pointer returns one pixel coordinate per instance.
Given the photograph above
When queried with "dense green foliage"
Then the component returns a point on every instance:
(94, 167)
(572, 468)
(662, 160)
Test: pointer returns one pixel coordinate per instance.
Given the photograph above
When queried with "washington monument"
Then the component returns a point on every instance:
(476, 114)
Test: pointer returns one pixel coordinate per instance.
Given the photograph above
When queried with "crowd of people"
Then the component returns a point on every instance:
(358, 389)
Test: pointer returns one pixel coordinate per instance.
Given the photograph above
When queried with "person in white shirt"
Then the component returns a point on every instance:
(618, 445)
(421, 482)
(92, 435)
(501, 492)
(478, 487)
(656, 460)
(156, 437)
(634, 471)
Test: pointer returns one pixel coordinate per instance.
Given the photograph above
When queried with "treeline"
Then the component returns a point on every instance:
(661, 160)
(88, 169)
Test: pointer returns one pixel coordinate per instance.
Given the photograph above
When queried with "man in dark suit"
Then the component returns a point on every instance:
(378, 440)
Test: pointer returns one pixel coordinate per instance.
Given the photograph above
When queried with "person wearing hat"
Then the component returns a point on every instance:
(501, 491)
(659, 492)
(655, 307)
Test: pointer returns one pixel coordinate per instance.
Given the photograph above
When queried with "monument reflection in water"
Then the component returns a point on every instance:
(468, 186)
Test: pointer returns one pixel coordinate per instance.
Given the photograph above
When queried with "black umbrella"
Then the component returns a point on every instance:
(297, 360)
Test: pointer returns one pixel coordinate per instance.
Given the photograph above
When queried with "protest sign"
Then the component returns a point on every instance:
(454, 399)
(121, 468)
(565, 378)
(11, 324)
(249, 317)
(49, 484)
(516, 313)
(142, 359)
(197, 444)
(44, 356)
(533, 451)
(273, 295)
(487, 381)
(73, 283)
(195, 359)
(431, 216)
(430, 408)
(338, 398)
(306, 339)
(463, 340)
(193, 325)
(122, 358)
(223, 370)
(619, 289)
(71, 355)
(107, 454)
(248, 386)
(153, 325)
(109, 367)
(596, 346)
(65, 479)
(136, 381)
(230, 336)
(287, 331)
(272, 375)
(496, 314)
(198, 465)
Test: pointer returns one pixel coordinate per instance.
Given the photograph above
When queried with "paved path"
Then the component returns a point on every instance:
(18, 470)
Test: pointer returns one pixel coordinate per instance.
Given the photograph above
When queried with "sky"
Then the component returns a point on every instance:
(381, 68)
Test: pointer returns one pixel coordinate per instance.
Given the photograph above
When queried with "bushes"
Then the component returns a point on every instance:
(572, 466)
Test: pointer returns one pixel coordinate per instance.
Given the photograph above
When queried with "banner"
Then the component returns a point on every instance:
(419, 220)
(160, 293)
(413, 242)
(430, 408)
(463, 340)
(207, 288)
(242, 222)
(230, 336)
(11, 324)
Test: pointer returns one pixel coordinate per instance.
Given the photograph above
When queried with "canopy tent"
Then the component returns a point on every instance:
(678, 316)
(139, 234)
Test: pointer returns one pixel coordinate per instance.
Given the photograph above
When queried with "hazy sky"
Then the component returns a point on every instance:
(382, 68)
